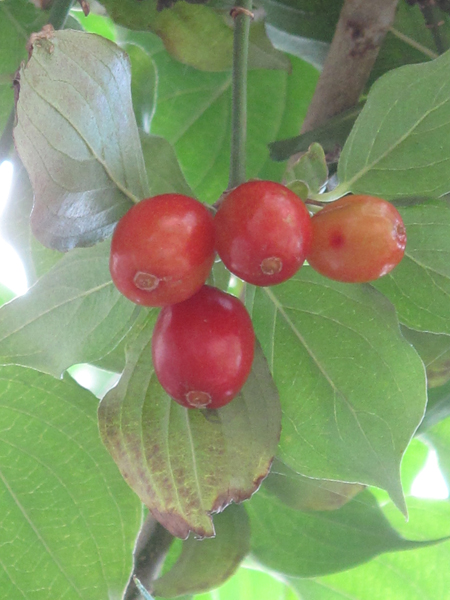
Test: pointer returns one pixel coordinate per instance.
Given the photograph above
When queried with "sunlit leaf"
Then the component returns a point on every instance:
(185, 464)
(400, 143)
(77, 137)
(353, 391)
(73, 314)
(68, 519)
(419, 286)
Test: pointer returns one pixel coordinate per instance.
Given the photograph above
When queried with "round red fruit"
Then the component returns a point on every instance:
(357, 239)
(162, 250)
(263, 232)
(203, 349)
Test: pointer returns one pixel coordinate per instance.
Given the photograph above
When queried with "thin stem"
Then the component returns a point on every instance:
(58, 13)
(433, 22)
(239, 103)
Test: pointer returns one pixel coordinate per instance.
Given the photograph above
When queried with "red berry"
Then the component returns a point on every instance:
(263, 232)
(162, 250)
(357, 239)
(203, 349)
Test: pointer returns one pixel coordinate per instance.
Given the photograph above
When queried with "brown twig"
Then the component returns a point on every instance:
(359, 34)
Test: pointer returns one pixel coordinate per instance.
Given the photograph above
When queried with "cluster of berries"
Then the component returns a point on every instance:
(163, 250)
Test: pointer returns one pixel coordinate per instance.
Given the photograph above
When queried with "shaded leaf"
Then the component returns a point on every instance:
(64, 506)
(400, 143)
(163, 169)
(303, 493)
(312, 544)
(144, 79)
(193, 111)
(439, 436)
(15, 227)
(419, 286)
(18, 18)
(196, 35)
(73, 314)
(434, 350)
(205, 564)
(185, 464)
(330, 135)
(352, 390)
(77, 137)
(311, 169)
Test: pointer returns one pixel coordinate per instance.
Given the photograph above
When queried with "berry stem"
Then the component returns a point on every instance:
(242, 17)
(58, 13)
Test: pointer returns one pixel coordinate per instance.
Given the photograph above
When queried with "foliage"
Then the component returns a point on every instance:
(134, 101)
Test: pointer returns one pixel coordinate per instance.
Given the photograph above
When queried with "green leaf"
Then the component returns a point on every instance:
(18, 18)
(83, 155)
(419, 286)
(196, 35)
(311, 169)
(434, 350)
(185, 464)
(438, 407)
(5, 294)
(400, 143)
(205, 564)
(352, 390)
(15, 227)
(144, 80)
(439, 437)
(303, 493)
(64, 506)
(193, 111)
(311, 544)
(249, 584)
(71, 315)
(330, 136)
(413, 575)
(163, 169)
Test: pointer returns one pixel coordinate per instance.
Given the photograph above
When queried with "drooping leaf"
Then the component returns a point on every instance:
(303, 493)
(15, 227)
(193, 111)
(206, 564)
(353, 391)
(330, 136)
(400, 143)
(18, 18)
(77, 137)
(163, 169)
(73, 314)
(317, 543)
(413, 575)
(419, 286)
(434, 350)
(64, 505)
(196, 35)
(185, 464)
(144, 81)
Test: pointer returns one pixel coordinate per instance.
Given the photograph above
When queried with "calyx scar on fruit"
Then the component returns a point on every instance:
(203, 349)
(162, 250)
(263, 232)
(357, 239)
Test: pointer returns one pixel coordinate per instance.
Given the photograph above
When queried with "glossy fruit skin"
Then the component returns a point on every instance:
(162, 250)
(263, 232)
(357, 239)
(203, 349)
